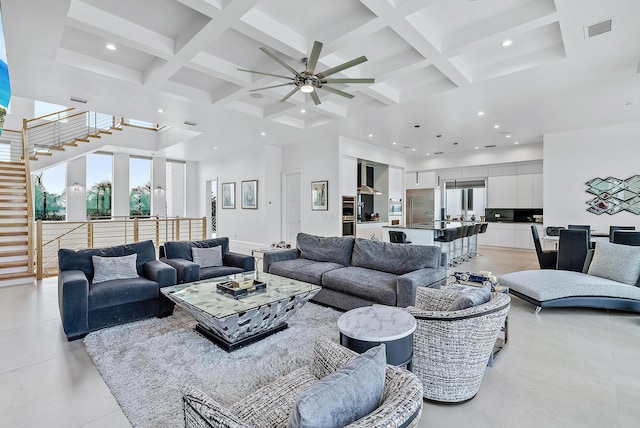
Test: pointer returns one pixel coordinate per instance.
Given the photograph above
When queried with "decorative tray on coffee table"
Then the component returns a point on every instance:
(238, 292)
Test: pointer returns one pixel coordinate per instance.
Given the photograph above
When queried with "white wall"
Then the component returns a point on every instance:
(158, 178)
(318, 161)
(120, 184)
(575, 157)
(76, 201)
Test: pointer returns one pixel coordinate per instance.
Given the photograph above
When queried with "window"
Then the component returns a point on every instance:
(40, 108)
(139, 186)
(49, 194)
(176, 185)
(465, 199)
(99, 185)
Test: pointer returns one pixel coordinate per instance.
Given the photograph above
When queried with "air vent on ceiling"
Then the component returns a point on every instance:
(489, 146)
(186, 122)
(438, 153)
(78, 100)
(599, 28)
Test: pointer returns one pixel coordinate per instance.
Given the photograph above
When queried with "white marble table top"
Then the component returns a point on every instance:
(376, 323)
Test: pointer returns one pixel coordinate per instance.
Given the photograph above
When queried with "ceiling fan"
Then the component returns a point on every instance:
(307, 81)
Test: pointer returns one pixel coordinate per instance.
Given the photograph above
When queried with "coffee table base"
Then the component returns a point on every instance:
(399, 351)
(232, 346)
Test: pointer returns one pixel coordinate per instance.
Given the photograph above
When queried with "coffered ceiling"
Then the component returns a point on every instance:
(437, 63)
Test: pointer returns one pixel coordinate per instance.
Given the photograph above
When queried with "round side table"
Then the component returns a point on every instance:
(369, 326)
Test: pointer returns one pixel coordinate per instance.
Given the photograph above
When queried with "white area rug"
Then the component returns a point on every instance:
(146, 363)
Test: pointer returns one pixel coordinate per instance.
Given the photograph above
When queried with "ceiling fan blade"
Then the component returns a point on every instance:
(286, 97)
(341, 67)
(315, 97)
(337, 92)
(313, 58)
(362, 80)
(279, 61)
(266, 74)
(272, 86)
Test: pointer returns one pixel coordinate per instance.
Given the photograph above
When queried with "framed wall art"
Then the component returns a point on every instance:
(250, 194)
(320, 195)
(229, 195)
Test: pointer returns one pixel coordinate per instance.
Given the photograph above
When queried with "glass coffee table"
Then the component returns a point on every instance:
(233, 322)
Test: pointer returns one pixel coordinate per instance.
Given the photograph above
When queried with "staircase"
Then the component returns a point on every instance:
(16, 266)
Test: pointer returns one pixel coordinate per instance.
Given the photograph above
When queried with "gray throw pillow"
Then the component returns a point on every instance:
(473, 296)
(207, 257)
(616, 262)
(343, 396)
(110, 268)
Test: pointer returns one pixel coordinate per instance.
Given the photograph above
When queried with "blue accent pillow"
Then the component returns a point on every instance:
(344, 396)
(473, 296)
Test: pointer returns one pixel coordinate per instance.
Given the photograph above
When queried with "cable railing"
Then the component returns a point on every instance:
(54, 235)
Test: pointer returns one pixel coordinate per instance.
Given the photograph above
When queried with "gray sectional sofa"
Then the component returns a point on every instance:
(356, 272)
(610, 279)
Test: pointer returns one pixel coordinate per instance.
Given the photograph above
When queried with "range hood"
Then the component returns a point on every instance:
(366, 186)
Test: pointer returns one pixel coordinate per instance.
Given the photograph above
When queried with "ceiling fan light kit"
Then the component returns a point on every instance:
(307, 81)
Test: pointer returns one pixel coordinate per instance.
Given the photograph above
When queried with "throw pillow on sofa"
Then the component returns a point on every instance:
(110, 268)
(207, 257)
(333, 249)
(616, 262)
(343, 396)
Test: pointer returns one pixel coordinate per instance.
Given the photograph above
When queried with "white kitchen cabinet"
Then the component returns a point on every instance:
(509, 235)
(494, 192)
(537, 191)
(524, 192)
(509, 191)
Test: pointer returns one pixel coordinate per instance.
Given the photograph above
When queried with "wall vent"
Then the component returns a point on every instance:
(599, 28)
(490, 146)
(186, 122)
(78, 100)
(438, 153)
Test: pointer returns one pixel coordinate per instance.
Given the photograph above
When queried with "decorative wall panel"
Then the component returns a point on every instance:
(614, 195)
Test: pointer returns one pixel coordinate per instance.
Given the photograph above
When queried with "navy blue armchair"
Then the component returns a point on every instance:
(86, 306)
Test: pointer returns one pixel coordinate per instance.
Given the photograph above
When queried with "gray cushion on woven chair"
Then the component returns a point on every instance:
(472, 296)
(616, 262)
(343, 396)
(207, 257)
(110, 268)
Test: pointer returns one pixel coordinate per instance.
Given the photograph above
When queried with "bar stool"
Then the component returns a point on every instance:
(461, 233)
(447, 238)
(473, 250)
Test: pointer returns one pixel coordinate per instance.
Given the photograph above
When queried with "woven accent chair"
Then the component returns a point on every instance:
(451, 348)
(270, 406)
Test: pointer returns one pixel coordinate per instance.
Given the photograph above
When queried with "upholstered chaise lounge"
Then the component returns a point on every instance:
(180, 255)
(124, 286)
(610, 279)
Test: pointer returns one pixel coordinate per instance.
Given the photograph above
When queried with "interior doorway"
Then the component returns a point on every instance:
(292, 206)
(212, 191)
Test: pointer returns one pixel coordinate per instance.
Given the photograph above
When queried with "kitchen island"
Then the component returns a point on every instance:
(423, 233)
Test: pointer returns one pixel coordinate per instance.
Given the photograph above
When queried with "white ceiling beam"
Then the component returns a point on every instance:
(95, 65)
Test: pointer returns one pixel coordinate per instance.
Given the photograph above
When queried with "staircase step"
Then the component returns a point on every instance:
(94, 136)
(33, 158)
(115, 128)
(4, 192)
(12, 174)
(13, 234)
(22, 263)
(18, 199)
(58, 148)
(11, 165)
(19, 179)
(6, 225)
(15, 275)
(71, 144)
(83, 140)
(13, 243)
(102, 131)
(43, 153)
(14, 253)
(19, 216)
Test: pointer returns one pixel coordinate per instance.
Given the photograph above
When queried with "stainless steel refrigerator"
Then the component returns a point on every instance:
(421, 207)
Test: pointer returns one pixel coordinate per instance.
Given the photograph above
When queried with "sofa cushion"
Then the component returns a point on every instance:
(469, 297)
(216, 271)
(344, 396)
(303, 270)
(270, 406)
(207, 257)
(182, 249)
(394, 258)
(109, 268)
(81, 259)
(121, 291)
(334, 249)
(372, 285)
(549, 284)
(616, 262)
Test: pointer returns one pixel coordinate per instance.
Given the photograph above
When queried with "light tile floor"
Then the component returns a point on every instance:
(562, 368)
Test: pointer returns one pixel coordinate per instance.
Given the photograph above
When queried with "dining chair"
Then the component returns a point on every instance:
(546, 259)
(572, 249)
(398, 237)
(626, 237)
(612, 230)
(584, 227)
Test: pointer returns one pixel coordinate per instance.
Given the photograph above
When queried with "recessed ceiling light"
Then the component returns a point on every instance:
(428, 154)
(370, 135)
(263, 133)
(215, 148)
(507, 43)
(517, 142)
(508, 135)
(480, 113)
(496, 126)
(394, 143)
(303, 111)
(160, 110)
(110, 46)
(413, 150)
(477, 147)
